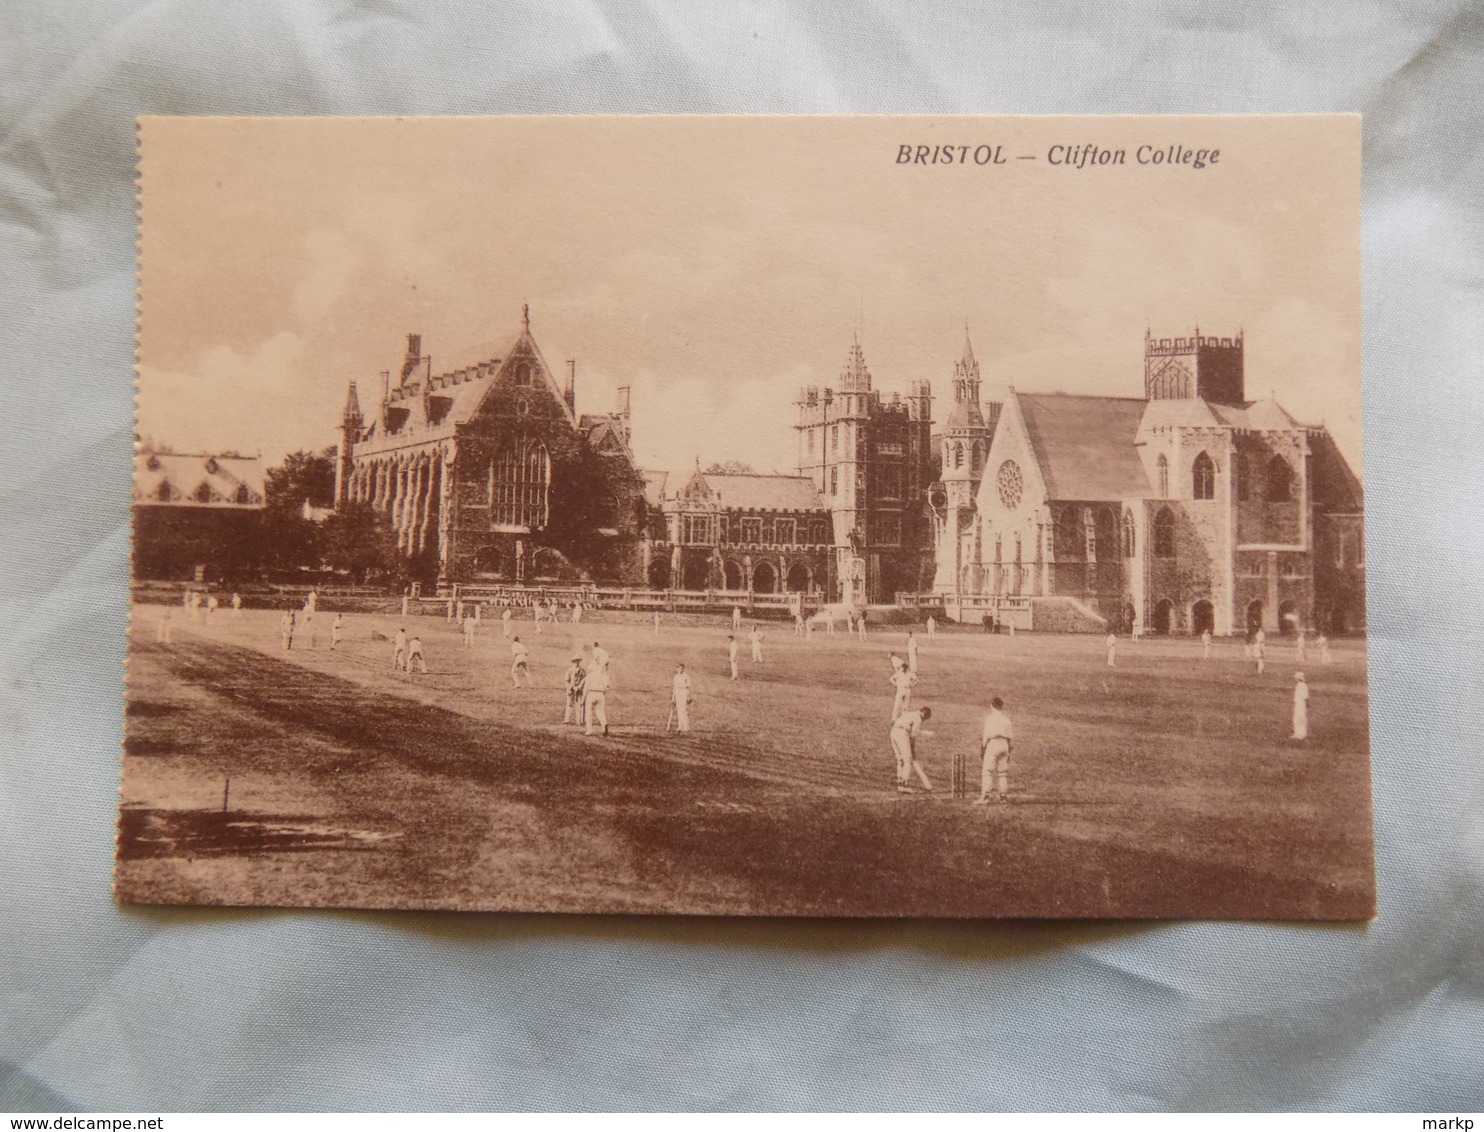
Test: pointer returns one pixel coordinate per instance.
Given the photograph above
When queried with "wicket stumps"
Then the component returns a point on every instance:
(960, 785)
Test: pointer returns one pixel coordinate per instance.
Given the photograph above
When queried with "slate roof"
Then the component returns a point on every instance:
(198, 480)
(1085, 445)
(654, 486)
(766, 493)
(1256, 415)
(456, 389)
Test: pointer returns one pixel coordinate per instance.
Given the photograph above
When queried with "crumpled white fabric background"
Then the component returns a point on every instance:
(103, 1007)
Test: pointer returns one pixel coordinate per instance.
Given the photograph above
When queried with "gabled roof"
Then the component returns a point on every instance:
(198, 479)
(604, 432)
(766, 493)
(1085, 446)
(1256, 415)
(455, 392)
(654, 486)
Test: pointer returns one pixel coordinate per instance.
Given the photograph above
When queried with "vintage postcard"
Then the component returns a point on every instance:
(822, 516)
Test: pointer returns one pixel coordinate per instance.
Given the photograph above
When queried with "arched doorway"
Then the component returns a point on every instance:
(798, 578)
(1164, 617)
(1202, 618)
(764, 578)
(659, 574)
(732, 575)
(1254, 617)
(695, 571)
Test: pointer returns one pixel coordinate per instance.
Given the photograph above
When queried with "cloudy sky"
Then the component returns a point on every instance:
(715, 265)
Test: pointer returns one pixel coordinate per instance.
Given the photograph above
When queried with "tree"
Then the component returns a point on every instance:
(358, 539)
(730, 468)
(291, 541)
(302, 476)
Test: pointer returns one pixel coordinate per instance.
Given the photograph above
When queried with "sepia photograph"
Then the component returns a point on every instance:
(807, 516)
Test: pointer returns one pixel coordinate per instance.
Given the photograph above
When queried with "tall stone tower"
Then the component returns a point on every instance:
(964, 446)
(350, 431)
(867, 457)
(1201, 366)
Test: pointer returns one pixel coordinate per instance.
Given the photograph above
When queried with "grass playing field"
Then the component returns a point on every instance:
(1166, 786)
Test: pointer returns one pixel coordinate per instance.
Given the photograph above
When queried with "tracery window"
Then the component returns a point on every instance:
(1164, 534)
(786, 532)
(958, 455)
(1203, 477)
(696, 529)
(1129, 534)
(752, 530)
(520, 485)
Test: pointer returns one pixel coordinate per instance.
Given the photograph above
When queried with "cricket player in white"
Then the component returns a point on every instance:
(656, 622)
(519, 662)
(736, 618)
(860, 623)
(1260, 650)
(1324, 654)
(574, 681)
(1112, 650)
(595, 700)
(932, 626)
(756, 638)
(905, 731)
(468, 630)
(1300, 707)
(1301, 644)
(211, 607)
(903, 680)
(680, 691)
(236, 607)
(600, 657)
(505, 622)
(911, 652)
(337, 630)
(162, 633)
(415, 655)
(995, 744)
(732, 655)
(1206, 644)
(399, 649)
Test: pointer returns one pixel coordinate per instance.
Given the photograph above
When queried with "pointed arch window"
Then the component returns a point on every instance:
(523, 373)
(1203, 477)
(520, 485)
(834, 481)
(1164, 534)
(1163, 469)
(977, 458)
(1279, 481)
(1129, 534)
(958, 454)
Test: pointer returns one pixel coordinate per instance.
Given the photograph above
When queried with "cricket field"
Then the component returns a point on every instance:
(1165, 786)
